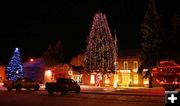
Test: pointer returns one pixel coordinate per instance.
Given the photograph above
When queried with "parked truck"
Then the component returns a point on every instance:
(62, 85)
(167, 73)
(19, 84)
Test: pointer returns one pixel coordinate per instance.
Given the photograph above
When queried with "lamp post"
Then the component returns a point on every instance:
(115, 62)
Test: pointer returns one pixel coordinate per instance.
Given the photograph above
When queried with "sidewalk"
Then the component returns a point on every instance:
(138, 91)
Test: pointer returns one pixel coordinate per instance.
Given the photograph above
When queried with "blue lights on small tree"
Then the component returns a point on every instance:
(14, 69)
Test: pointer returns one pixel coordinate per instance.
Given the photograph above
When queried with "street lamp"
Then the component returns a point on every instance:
(31, 60)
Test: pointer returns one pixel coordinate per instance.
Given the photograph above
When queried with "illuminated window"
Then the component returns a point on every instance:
(135, 65)
(126, 78)
(76, 78)
(92, 79)
(48, 76)
(125, 65)
(136, 79)
(146, 81)
(106, 80)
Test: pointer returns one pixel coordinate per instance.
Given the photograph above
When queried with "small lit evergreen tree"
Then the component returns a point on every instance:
(14, 69)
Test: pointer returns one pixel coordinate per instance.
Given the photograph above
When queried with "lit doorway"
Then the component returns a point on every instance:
(125, 78)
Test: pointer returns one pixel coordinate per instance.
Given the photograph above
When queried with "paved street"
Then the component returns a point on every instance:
(89, 96)
(41, 98)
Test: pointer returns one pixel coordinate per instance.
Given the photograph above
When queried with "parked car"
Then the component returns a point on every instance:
(167, 73)
(19, 84)
(62, 85)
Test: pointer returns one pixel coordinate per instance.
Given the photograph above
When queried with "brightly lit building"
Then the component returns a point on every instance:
(125, 75)
(38, 71)
(128, 63)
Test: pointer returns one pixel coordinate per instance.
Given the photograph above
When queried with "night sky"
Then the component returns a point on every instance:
(33, 25)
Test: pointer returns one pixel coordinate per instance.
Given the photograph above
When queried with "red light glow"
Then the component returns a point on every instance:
(167, 72)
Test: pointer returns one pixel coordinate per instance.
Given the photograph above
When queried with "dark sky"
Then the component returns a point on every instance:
(33, 25)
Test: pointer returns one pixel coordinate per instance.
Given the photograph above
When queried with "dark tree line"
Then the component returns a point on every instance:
(54, 55)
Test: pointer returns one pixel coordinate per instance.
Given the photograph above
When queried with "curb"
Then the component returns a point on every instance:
(129, 94)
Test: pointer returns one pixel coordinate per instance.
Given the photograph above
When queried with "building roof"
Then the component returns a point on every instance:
(36, 63)
(129, 53)
(78, 69)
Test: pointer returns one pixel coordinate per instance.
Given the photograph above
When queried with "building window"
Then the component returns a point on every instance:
(146, 81)
(48, 76)
(136, 79)
(77, 78)
(135, 66)
(125, 65)
(107, 80)
(92, 79)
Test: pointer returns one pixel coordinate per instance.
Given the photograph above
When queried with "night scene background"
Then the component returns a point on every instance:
(33, 25)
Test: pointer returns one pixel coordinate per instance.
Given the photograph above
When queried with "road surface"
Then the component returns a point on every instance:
(41, 98)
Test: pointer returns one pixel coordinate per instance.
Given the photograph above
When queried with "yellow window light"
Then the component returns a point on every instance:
(136, 79)
(146, 81)
(92, 81)
(135, 70)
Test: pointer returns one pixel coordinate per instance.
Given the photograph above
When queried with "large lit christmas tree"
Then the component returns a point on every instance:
(100, 52)
(14, 69)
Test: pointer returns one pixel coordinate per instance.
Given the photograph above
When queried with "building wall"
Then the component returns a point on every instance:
(51, 74)
(134, 78)
(129, 56)
(2, 74)
(34, 73)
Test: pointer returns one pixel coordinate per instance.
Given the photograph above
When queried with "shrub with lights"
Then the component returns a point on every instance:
(167, 74)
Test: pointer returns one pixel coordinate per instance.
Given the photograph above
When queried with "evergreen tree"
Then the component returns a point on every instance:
(99, 56)
(175, 33)
(151, 45)
(176, 37)
(171, 48)
(14, 69)
(53, 56)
